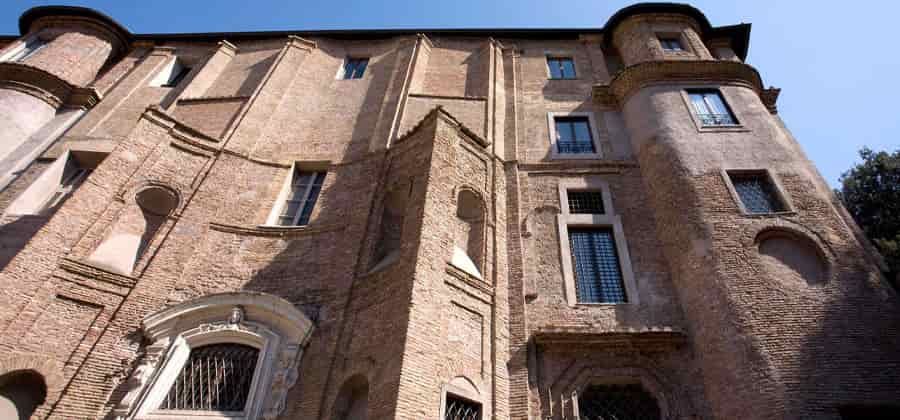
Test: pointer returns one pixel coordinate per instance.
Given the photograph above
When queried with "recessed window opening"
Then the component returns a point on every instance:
(585, 202)
(354, 68)
(756, 192)
(671, 43)
(711, 108)
(573, 135)
(561, 67)
(301, 198)
(32, 46)
(215, 377)
(598, 276)
(459, 408)
(617, 401)
(177, 76)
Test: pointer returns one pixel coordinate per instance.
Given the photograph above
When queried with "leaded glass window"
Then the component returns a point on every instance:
(458, 408)
(756, 193)
(573, 135)
(301, 199)
(355, 67)
(710, 107)
(215, 377)
(585, 202)
(598, 276)
(561, 67)
(617, 402)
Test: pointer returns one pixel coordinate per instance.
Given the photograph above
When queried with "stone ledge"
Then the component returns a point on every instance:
(86, 269)
(663, 337)
(275, 231)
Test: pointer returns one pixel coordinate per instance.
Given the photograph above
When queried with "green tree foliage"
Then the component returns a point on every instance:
(871, 192)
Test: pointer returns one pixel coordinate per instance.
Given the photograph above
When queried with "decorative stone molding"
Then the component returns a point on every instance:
(84, 19)
(36, 82)
(632, 78)
(89, 270)
(273, 325)
(646, 338)
(274, 231)
(300, 43)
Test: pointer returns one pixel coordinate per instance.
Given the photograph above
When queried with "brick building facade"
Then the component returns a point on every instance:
(460, 224)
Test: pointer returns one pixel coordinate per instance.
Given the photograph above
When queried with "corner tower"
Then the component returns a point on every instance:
(772, 276)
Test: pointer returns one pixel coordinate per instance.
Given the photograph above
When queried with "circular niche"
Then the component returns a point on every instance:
(157, 200)
(792, 257)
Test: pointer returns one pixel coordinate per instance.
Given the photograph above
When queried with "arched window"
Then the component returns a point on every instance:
(216, 377)
(353, 400)
(468, 252)
(21, 393)
(391, 229)
(228, 355)
(617, 401)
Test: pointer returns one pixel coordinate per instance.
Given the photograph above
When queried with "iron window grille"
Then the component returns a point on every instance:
(756, 192)
(301, 199)
(671, 44)
(711, 108)
(457, 408)
(561, 67)
(215, 377)
(585, 202)
(618, 402)
(573, 135)
(355, 67)
(598, 276)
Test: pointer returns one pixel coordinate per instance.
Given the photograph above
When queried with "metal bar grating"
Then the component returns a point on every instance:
(461, 409)
(617, 402)
(756, 193)
(216, 377)
(590, 202)
(598, 277)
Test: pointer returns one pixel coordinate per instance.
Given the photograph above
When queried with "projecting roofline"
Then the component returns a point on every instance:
(738, 34)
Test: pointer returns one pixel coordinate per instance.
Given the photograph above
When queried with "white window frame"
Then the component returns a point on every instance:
(559, 56)
(780, 193)
(686, 96)
(608, 219)
(169, 71)
(594, 130)
(342, 70)
(682, 48)
(281, 200)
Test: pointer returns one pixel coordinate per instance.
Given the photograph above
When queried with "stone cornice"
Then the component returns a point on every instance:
(275, 231)
(118, 38)
(637, 76)
(36, 82)
(93, 272)
(301, 43)
(644, 338)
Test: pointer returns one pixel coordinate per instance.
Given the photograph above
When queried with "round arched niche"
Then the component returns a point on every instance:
(157, 200)
(352, 402)
(21, 392)
(791, 256)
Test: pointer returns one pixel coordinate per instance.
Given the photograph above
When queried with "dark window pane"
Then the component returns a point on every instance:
(598, 278)
(590, 202)
(671, 44)
(573, 135)
(711, 108)
(568, 68)
(555, 68)
(355, 67)
(619, 402)
(215, 377)
(458, 408)
(756, 193)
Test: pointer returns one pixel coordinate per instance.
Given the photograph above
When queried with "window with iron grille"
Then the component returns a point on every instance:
(619, 402)
(301, 198)
(671, 44)
(598, 277)
(710, 107)
(573, 135)
(354, 68)
(215, 377)
(561, 67)
(585, 202)
(756, 192)
(457, 408)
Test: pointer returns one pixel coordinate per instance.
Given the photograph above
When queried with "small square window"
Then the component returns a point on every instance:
(573, 135)
(354, 68)
(711, 108)
(561, 67)
(598, 277)
(301, 198)
(585, 202)
(756, 192)
(671, 44)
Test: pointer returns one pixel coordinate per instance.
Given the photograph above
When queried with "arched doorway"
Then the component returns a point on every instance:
(21, 392)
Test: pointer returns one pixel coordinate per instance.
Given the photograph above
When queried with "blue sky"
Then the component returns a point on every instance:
(835, 61)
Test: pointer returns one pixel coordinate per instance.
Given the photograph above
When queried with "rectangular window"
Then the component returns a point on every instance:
(301, 198)
(598, 277)
(354, 68)
(711, 108)
(573, 135)
(756, 192)
(671, 44)
(561, 67)
(73, 175)
(178, 74)
(457, 408)
(585, 202)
